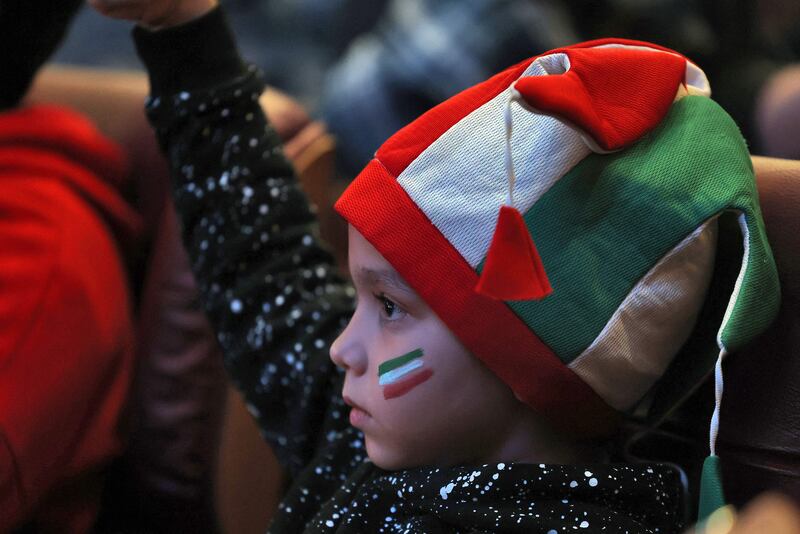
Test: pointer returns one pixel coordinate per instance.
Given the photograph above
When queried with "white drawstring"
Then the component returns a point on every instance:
(512, 177)
(718, 386)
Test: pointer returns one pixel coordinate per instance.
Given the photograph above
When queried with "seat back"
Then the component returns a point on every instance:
(759, 431)
(759, 440)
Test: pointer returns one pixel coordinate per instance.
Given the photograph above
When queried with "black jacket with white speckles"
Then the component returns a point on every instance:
(272, 293)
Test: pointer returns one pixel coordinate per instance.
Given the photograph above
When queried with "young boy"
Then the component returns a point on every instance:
(483, 376)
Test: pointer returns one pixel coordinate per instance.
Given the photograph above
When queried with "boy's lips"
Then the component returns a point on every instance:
(358, 415)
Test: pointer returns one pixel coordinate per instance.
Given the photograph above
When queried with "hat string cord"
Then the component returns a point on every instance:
(511, 175)
(718, 387)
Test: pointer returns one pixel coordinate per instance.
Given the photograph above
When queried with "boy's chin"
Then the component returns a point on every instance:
(389, 458)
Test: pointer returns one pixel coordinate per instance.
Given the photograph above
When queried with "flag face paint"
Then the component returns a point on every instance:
(400, 375)
(405, 385)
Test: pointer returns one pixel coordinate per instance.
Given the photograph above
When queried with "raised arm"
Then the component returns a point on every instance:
(269, 287)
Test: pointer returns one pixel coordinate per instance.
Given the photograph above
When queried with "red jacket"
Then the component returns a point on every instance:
(66, 321)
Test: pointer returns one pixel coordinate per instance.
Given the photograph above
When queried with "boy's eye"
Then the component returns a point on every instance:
(390, 310)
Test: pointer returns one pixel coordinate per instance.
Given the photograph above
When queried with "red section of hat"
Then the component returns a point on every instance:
(615, 95)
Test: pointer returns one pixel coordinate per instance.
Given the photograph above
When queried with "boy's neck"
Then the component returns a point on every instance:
(531, 440)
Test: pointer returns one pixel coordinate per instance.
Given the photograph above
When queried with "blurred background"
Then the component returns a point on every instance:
(367, 67)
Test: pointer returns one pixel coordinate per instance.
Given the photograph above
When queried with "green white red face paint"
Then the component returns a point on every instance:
(400, 375)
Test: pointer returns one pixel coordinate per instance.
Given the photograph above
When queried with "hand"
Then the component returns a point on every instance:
(154, 14)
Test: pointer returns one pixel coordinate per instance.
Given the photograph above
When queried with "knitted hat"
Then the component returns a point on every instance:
(619, 167)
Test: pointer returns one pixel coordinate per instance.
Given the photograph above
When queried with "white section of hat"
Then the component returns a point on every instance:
(460, 180)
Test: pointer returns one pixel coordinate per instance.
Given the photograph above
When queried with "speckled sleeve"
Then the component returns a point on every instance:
(270, 289)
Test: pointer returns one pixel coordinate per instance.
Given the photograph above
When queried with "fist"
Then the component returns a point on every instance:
(154, 14)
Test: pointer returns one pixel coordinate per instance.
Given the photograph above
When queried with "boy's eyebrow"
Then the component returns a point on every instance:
(387, 277)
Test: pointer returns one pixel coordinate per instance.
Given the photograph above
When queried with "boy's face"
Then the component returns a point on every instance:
(417, 394)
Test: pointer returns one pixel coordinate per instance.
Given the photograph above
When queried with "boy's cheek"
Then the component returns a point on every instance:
(412, 417)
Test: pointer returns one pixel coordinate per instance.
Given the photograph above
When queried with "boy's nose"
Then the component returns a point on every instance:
(348, 352)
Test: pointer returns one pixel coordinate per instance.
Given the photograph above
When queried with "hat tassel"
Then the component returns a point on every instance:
(513, 269)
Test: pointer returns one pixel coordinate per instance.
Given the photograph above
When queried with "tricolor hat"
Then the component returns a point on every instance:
(623, 167)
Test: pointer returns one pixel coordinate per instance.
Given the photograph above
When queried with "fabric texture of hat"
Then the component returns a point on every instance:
(624, 166)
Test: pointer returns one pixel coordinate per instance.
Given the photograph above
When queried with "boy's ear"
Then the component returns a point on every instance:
(612, 94)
